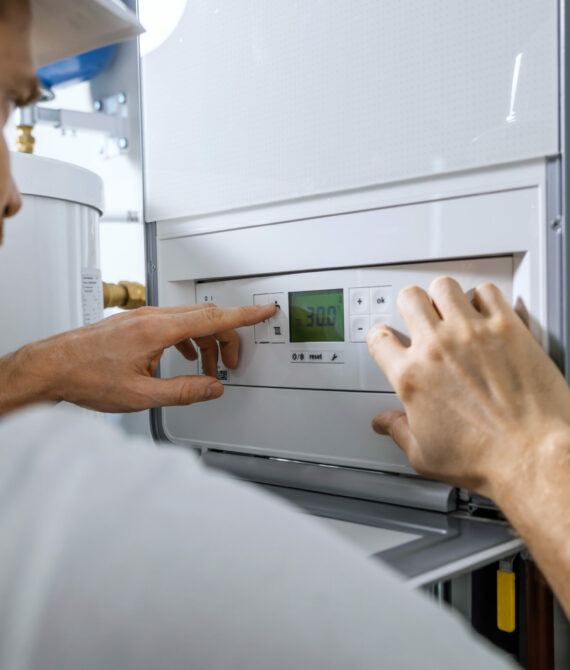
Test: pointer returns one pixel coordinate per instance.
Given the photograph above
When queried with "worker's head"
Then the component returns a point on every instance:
(18, 86)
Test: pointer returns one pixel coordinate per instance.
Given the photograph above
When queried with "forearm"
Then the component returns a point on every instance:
(25, 379)
(535, 497)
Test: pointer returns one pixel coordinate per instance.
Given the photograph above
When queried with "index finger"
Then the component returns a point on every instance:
(208, 321)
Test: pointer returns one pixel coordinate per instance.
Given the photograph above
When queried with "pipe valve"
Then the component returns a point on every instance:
(125, 294)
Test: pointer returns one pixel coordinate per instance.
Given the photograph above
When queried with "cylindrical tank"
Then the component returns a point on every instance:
(50, 278)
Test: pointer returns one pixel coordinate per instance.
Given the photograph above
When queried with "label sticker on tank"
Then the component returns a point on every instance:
(91, 295)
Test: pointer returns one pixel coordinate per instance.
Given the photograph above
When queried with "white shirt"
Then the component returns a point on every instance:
(116, 555)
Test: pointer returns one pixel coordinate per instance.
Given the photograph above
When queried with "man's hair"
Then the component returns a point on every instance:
(8, 7)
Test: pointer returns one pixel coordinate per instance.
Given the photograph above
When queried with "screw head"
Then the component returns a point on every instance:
(122, 98)
(97, 105)
(123, 143)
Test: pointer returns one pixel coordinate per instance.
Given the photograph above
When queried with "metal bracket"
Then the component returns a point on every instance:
(506, 564)
(110, 117)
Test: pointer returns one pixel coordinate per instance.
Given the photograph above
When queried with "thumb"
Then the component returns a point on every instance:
(395, 424)
(183, 390)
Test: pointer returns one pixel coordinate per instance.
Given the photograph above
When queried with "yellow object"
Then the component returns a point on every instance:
(506, 601)
(25, 141)
(125, 294)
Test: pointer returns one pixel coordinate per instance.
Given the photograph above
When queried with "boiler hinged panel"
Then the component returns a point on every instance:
(317, 338)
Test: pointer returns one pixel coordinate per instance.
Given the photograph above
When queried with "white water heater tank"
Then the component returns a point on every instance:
(50, 278)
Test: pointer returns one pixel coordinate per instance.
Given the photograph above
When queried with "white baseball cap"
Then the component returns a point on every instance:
(64, 28)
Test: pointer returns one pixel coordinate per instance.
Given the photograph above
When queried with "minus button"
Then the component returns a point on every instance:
(359, 327)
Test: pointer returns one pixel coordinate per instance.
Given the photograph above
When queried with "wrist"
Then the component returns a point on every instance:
(530, 476)
(26, 378)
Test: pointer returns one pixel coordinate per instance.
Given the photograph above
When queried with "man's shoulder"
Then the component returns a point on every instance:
(46, 448)
(61, 427)
(52, 444)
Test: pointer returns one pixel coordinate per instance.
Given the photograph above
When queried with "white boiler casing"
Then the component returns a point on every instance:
(50, 278)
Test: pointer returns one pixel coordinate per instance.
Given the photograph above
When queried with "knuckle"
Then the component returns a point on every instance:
(488, 287)
(442, 284)
(183, 397)
(213, 313)
(145, 325)
(231, 338)
(487, 292)
(145, 322)
(145, 312)
(409, 293)
(434, 350)
(376, 334)
(410, 290)
(207, 305)
(405, 382)
(501, 326)
(466, 333)
(207, 344)
(187, 394)
(417, 462)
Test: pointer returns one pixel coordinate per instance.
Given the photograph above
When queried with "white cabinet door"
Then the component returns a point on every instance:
(249, 102)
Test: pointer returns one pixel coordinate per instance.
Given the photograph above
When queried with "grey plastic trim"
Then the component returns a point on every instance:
(352, 483)
(555, 263)
(564, 186)
(449, 544)
(151, 264)
(467, 564)
(155, 414)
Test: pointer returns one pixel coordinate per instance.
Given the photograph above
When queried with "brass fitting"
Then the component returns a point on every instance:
(25, 141)
(125, 294)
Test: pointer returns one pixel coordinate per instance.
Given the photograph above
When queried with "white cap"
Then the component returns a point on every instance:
(64, 28)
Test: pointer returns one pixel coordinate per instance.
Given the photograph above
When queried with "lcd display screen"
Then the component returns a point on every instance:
(316, 316)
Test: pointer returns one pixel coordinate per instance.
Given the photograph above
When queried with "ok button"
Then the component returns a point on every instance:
(381, 300)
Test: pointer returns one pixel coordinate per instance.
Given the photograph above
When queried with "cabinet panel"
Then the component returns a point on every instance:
(249, 102)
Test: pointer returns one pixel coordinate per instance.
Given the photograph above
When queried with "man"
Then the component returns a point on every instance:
(117, 555)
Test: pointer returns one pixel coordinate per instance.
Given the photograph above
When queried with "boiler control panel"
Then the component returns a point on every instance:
(317, 337)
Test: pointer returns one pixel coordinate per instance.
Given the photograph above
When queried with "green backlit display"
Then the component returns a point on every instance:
(316, 316)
